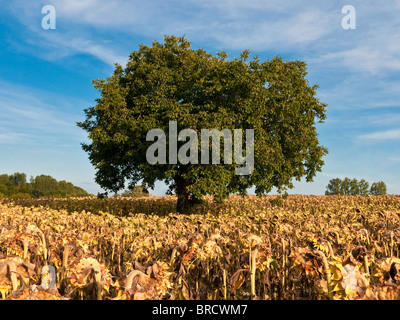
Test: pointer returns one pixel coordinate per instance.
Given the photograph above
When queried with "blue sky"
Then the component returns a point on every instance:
(45, 75)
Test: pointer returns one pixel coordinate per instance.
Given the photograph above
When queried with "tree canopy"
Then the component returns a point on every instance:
(378, 188)
(354, 187)
(17, 186)
(137, 191)
(171, 82)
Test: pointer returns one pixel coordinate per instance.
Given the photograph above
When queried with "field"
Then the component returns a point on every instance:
(298, 247)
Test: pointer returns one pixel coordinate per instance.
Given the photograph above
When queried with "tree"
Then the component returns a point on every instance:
(169, 82)
(363, 187)
(378, 188)
(333, 187)
(4, 184)
(345, 186)
(65, 188)
(354, 187)
(44, 186)
(18, 179)
(16, 186)
(137, 191)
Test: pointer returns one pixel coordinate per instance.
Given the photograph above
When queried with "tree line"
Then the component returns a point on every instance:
(354, 187)
(16, 186)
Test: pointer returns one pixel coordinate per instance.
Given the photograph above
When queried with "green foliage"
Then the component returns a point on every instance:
(378, 188)
(354, 187)
(15, 186)
(334, 187)
(44, 186)
(137, 191)
(363, 187)
(18, 179)
(345, 187)
(172, 82)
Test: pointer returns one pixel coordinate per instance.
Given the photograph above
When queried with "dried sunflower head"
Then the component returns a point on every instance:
(35, 293)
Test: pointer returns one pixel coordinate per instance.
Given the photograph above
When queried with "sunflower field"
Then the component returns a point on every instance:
(266, 248)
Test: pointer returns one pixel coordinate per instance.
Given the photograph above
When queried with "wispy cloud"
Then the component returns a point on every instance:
(382, 135)
(311, 28)
(257, 25)
(11, 137)
(301, 29)
(36, 115)
(368, 57)
(75, 44)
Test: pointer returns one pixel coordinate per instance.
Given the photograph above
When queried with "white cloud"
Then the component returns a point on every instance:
(101, 52)
(383, 119)
(366, 58)
(286, 33)
(256, 25)
(310, 28)
(382, 135)
(11, 137)
(36, 115)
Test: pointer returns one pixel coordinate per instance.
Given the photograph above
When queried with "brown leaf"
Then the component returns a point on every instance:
(138, 266)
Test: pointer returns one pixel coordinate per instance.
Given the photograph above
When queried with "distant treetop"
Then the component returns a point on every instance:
(354, 187)
(16, 186)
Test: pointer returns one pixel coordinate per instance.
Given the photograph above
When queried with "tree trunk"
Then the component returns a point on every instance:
(186, 201)
(183, 205)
